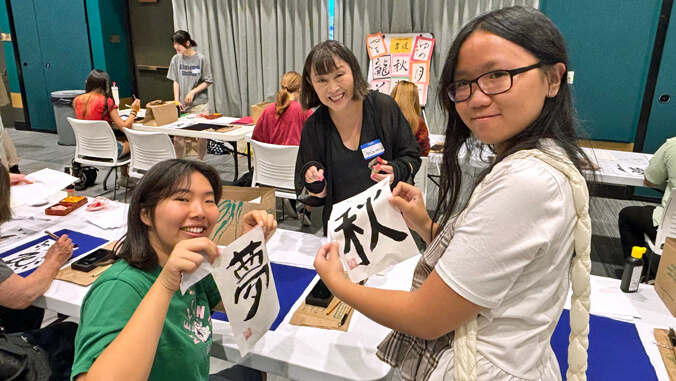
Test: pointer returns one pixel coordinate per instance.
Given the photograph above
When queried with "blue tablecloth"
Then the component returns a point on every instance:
(615, 350)
(290, 282)
(85, 243)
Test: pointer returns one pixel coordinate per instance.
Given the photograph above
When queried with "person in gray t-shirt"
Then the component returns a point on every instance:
(191, 74)
(17, 292)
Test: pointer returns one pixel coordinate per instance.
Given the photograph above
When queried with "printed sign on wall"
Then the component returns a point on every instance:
(397, 57)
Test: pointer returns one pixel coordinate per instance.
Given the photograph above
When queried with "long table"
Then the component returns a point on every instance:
(303, 353)
(615, 167)
(182, 128)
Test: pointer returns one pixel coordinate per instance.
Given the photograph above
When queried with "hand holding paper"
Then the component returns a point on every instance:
(186, 257)
(259, 218)
(329, 267)
(409, 200)
(18, 178)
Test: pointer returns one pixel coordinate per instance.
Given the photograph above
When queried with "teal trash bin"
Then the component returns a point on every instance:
(63, 108)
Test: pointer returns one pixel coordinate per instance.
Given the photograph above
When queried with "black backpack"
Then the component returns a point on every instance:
(20, 360)
(86, 176)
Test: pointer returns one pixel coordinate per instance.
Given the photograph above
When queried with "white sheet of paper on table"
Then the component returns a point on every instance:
(602, 155)
(609, 301)
(110, 219)
(46, 182)
(371, 234)
(244, 278)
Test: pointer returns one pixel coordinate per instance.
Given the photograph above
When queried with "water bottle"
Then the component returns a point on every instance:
(633, 268)
(116, 94)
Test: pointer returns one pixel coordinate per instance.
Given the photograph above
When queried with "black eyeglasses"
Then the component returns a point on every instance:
(491, 83)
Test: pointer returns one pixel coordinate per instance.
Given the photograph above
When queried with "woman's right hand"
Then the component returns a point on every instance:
(409, 200)
(313, 175)
(186, 257)
(136, 105)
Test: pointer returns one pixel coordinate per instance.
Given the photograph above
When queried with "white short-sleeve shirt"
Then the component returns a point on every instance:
(511, 255)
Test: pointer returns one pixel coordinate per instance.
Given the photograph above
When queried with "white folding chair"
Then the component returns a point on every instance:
(275, 166)
(666, 228)
(147, 149)
(420, 180)
(95, 145)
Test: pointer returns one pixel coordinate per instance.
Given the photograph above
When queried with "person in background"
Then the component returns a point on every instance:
(281, 123)
(98, 104)
(491, 286)
(331, 162)
(191, 74)
(132, 314)
(635, 221)
(16, 292)
(405, 93)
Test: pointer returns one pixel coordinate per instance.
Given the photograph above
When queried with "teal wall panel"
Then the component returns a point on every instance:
(117, 54)
(96, 34)
(41, 115)
(662, 121)
(610, 43)
(10, 58)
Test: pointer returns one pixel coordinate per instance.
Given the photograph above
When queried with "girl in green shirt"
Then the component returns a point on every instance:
(134, 325)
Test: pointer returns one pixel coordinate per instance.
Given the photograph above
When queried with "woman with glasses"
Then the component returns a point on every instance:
(489, 291)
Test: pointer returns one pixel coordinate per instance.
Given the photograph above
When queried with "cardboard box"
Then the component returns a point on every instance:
(159, 113)
(665, 283)
(257, 110)
(234, 204)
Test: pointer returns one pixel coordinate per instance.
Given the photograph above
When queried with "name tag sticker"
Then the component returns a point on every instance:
(196, 71)
(372, 149)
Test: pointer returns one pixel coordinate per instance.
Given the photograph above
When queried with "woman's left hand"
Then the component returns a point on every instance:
(328, 265)
(16, 179)
(259, 218)
(388, 169)
(188, 98)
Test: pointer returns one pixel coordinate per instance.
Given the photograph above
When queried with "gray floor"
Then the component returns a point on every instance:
(40, 150)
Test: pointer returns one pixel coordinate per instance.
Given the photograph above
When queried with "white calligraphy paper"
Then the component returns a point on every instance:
(422, 50)
(376, 45)
(29, 258)
(46, 182)
(244, 278)
(401, 66)
(382, 67)
(371, 234)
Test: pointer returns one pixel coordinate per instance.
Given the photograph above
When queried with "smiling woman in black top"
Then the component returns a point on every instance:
(351, 125)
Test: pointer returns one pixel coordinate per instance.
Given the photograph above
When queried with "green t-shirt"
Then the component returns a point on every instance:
(185, 342)
(662, 172)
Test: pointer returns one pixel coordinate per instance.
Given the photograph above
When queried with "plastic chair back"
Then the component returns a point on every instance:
(275, 166)
(148, 149)
(95, 143)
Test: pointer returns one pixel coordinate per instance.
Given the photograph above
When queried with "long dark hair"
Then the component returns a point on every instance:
(97, 83)
(321, 59)
(182, 38)
(5, 205)
(161, 182)
(533, 31)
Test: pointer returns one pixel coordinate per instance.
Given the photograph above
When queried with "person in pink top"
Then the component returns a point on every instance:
(281, 122)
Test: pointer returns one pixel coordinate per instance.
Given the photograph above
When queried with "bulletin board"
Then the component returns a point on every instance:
(400, 56)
